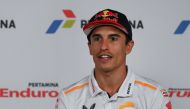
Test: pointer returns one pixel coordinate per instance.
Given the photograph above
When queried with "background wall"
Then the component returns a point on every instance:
(43, 49)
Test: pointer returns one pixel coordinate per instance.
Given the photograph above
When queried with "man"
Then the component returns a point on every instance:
(112, 85)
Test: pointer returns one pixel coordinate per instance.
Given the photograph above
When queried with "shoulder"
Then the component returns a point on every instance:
(146, 83)
(75, 87)
(156, 96)
(150, 88)
(69, 95)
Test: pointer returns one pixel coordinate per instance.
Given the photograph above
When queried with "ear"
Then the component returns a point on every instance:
(129, 47)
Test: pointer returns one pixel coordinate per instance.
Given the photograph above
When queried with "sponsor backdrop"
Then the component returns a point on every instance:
(43, 48)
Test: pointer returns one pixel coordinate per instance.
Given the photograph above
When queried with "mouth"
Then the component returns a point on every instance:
(105, 57)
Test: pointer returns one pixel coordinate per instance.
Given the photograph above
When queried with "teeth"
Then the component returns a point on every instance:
(104, 56)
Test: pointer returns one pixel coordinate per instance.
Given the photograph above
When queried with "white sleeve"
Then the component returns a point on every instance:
(161, 100)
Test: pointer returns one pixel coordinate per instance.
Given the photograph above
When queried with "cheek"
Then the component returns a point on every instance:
(121, 53)
(121, 49)
(93, 49)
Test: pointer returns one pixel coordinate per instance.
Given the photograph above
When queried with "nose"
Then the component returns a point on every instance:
(104, 45)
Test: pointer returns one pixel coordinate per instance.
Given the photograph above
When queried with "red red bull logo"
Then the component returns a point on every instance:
(106, 14)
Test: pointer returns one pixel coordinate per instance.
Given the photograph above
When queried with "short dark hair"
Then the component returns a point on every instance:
(127, 39)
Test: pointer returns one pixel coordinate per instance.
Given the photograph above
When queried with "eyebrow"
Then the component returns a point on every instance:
(115, 35)
(94, 35)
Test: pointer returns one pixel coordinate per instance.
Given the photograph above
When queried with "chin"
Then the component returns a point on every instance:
(105, 68)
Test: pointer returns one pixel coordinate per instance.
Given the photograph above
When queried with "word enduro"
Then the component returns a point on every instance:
(179, 92)
(27, 93)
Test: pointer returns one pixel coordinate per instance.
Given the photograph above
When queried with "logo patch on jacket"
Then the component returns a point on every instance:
(169, 105)
(164, 93)
(91, 107)
(127, 105)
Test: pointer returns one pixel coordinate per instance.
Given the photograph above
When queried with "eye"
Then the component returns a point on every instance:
(96, 38)
(114, 38)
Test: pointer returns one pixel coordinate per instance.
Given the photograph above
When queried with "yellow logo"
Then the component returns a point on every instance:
(127, 105)
(105, 13)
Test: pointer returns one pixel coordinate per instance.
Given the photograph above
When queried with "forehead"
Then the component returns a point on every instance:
(105, 29)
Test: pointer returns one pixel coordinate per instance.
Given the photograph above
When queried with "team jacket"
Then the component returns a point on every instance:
(136, 92)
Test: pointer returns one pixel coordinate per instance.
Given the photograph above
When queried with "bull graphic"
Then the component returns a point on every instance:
(91, 107)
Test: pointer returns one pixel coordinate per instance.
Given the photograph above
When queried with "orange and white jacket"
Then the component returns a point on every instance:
(136, 92)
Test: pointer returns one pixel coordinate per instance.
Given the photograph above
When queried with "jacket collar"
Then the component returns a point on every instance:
(125, 90)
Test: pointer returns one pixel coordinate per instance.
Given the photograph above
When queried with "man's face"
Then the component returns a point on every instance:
(108, 48)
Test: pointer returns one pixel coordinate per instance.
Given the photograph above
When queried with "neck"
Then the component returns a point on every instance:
(111, 81)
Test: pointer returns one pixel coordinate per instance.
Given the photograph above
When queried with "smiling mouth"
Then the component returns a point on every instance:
(105, 56)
